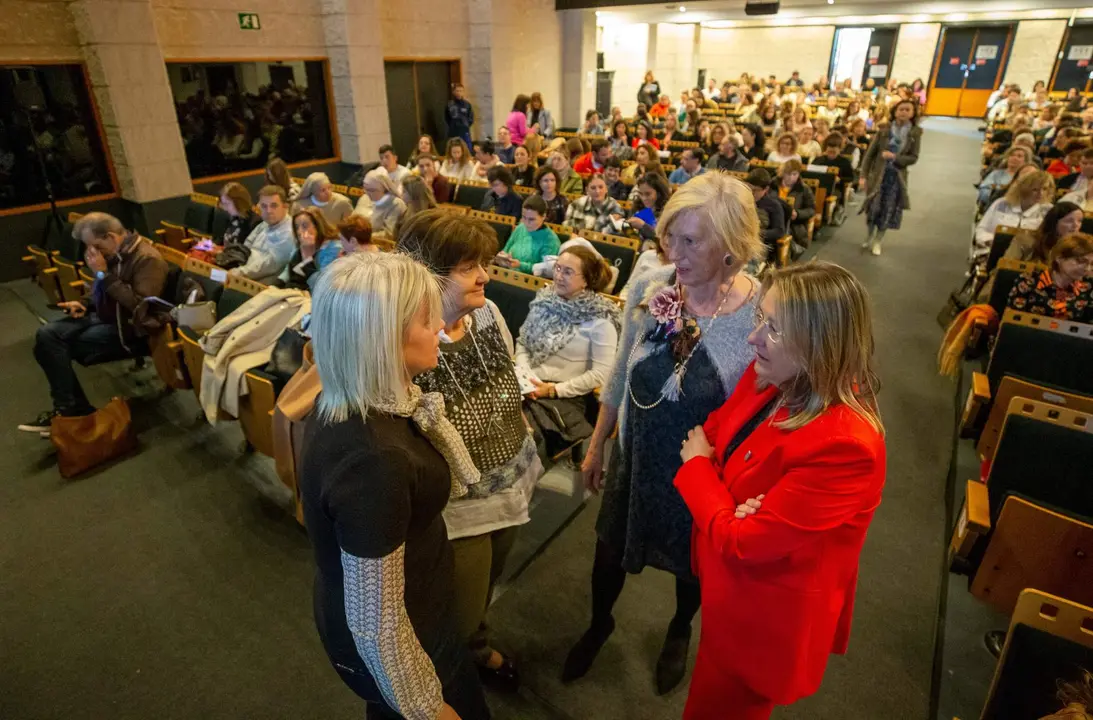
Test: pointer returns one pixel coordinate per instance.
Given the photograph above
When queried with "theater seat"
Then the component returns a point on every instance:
(470, 195)
(513, 292)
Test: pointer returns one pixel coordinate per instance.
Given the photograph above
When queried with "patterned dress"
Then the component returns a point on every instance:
(885, 211)
(643, 515)
(1036, 292)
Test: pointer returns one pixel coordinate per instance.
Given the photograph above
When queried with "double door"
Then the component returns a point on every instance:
(417, 95)
(1072, 69)
(969, 66)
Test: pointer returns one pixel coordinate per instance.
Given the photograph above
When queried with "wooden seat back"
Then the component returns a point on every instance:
(513, 292)
(1003, 238)
(175, 236)
(470, 194)
(1054, 353)
(1011, 388)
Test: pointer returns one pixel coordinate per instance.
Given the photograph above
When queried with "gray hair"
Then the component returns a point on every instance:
(311, 186)
(360, 312)
(98, 224)
(380, 177)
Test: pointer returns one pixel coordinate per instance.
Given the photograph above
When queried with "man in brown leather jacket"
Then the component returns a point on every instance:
(99, 328)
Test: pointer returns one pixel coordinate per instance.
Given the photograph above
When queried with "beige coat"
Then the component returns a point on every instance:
(244, 340)
(873, 163)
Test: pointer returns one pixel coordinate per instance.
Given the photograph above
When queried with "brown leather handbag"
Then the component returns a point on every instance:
(90, 440)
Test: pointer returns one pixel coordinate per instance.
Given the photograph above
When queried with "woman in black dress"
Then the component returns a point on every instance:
(380, 461)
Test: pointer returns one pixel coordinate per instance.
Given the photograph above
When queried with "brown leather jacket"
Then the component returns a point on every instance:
(136, 272)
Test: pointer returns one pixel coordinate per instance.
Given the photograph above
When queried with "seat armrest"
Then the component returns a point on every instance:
(829, 207)
(973, 523)
(979, 398)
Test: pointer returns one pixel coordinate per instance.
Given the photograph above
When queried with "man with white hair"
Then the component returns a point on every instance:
(103, 326)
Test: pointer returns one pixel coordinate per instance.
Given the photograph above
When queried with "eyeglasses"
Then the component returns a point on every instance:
(565, 272)
(773, 336)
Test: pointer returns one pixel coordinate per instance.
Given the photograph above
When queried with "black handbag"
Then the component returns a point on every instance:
(288, 355)
(233, 256)
(959, 301)
(558, 423)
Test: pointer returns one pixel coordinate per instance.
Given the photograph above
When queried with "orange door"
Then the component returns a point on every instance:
(967, 69)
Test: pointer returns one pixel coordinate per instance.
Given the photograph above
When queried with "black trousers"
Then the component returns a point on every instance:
(608, 577)
(85, 340)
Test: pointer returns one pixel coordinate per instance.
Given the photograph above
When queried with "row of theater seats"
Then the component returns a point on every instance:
(1024, 534)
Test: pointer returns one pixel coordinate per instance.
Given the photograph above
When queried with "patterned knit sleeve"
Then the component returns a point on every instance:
(503, 326)
(385, 639)
(632, 322)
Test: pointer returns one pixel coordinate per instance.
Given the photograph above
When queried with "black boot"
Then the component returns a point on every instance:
(995, 640)
(672, 663)
(583, 654)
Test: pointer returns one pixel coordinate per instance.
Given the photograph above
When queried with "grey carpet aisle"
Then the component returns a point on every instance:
(887, 672)
(170, 586)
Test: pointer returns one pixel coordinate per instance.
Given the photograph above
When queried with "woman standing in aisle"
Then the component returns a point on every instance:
(682, 350)
(783, 481)
(894, 148)
(379, 464)
(482, 397)
(517, 122)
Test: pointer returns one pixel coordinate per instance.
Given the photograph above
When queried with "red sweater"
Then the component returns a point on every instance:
(651, 141)
(778, 586)
(585, 167)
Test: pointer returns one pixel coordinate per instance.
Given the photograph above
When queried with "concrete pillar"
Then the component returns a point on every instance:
(129, 81)
(578, 65)
(351, 30)
(479, 76)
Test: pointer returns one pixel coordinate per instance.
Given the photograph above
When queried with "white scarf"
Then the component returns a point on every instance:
(426, 410)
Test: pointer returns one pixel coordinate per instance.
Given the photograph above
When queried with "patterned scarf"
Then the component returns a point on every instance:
(552, 321)
(426, 410)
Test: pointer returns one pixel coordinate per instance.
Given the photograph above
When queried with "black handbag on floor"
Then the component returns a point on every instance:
(958, 302)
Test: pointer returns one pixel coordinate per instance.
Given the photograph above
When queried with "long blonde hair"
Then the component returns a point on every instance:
(417, 194)
(827, 323)
(361, 310)
(1027, 183)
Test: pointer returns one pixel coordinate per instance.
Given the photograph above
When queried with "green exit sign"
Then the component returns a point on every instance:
(249, 21)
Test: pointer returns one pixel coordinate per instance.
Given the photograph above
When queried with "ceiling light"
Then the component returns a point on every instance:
(920, 18)
(830, 2)
(956, 17)
(597, 13)
(682, 9)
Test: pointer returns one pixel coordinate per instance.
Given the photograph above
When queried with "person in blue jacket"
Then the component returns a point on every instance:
(459, 115)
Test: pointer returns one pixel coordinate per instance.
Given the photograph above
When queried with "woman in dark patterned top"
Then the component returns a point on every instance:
(235, 200)
(549, 186)
(482, 397)
(380, 461)
(682, 350)
(1064, 290)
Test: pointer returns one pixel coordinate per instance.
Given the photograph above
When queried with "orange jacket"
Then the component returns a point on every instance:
(778, 586)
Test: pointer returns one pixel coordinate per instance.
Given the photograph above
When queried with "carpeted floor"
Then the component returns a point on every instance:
(173, 585)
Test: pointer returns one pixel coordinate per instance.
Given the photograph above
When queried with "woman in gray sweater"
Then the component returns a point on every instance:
(683, 348)
(318, 192)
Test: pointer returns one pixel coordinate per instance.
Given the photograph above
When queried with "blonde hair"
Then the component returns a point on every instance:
(1027, 183)
(827, 323)
(728, 207)
(417, 194)
(786, 136)
(360, 313)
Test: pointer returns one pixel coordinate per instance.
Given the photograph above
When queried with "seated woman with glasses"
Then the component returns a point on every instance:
(567, 346)
(1064, 290)
(531, 240)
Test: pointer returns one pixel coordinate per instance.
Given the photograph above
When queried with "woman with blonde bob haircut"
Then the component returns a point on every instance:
(783, 481)
(1026, 202)
(380, 461)
(682, 348)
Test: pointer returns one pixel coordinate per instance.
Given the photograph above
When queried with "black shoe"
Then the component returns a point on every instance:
(995, 640)
(40, 424)
(672, 663)
(503, 679)
(583, 654)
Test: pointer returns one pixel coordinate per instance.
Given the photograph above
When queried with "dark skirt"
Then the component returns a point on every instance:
(885, 210)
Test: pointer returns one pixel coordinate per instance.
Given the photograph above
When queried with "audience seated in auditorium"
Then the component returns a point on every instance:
(592, 124)
(754, 142)
(1005, 106)
(517, 122)
(485, 158)
(425, 146)
(236, 201)
(539, 119)
(788, 186)
(807, 147)
(457, 164)
(767, 118)
(832, 157)
(1069, 163)
(645, 159)
(593, 161)
(501, 198)
(830, 111)
(1077, 181)
(277, 174)
(652, 195)
(612, 175)
(772, 217)
(355, 234)
(523, 171)
(1064, 218)
(1023, 206)
(504, 147)
(387, 207)
(317, 245)
(690, 166)
(271, 243)
(417, 195)
(643, 134)
(1013, 160)
(566, 348)
(1064, 290)
(389, 163)
(662, 107)
(728, 157)
(621, 145)
(427, 169)
(785, 149)
(318, 192)
(998, 193)
(571, 182)
(531, 240)
(594, 210)
(104, 325)
(547, 184)
(820, 130)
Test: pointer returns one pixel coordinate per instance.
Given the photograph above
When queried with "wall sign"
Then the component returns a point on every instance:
(249, 21)
(1080, 52)
(954, 61)
(986, 52)
(874, 52)
(878, 71)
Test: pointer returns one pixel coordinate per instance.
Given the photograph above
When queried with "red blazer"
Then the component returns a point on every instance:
(778, 586)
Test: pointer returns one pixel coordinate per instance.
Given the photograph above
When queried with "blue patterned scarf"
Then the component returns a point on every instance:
(552, 321)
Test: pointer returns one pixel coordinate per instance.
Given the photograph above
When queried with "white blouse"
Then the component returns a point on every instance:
(1002, 213)
(582, 364)
(457, 172)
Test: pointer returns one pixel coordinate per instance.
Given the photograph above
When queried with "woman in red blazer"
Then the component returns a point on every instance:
(783, 481)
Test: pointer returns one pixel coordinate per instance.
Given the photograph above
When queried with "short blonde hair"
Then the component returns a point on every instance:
(360, 312)
(728, 207)
(1027, 183)
(827, 324)
(786, 136)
